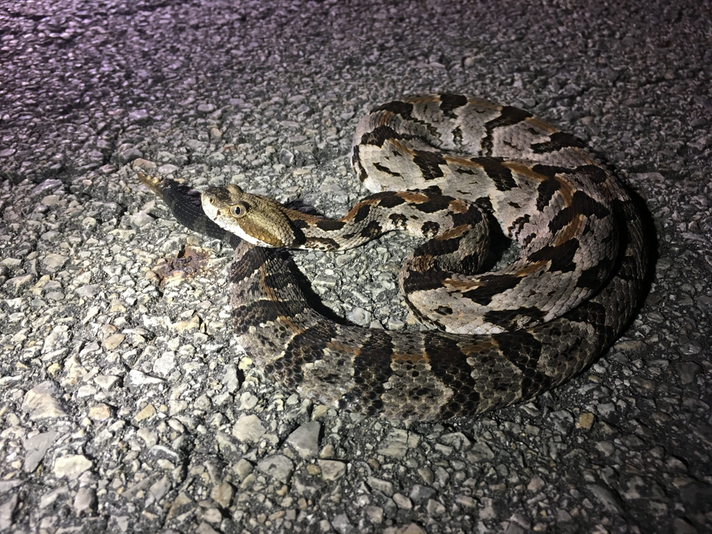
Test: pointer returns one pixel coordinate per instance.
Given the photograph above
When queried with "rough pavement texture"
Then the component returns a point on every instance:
(126, 406)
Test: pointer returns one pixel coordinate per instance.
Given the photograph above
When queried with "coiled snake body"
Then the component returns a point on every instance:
(441, 166)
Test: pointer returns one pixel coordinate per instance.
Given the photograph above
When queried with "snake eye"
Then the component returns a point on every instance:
(239, 210)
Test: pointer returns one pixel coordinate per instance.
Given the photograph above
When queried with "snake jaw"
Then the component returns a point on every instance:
(258, 220)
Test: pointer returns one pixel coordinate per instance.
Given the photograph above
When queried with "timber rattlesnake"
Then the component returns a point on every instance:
(440, 166)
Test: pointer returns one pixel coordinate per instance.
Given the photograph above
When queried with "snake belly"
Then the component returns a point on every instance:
(504, 336)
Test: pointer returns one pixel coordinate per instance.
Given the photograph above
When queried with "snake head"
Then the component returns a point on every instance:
(258, 220)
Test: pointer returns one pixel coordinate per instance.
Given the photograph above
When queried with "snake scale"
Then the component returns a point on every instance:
(442, 166)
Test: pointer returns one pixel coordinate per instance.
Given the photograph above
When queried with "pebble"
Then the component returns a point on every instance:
(100, 412)
(71, 466)
(15, 285)
(50, 497)
(536, 484)
(113, 341)
(277, 466)
(383, 486)
(398, 442)
(146, 412)
(585, 421)
(222, 494)
(84, 500)
(359, 316)
(305, 439)
(7, 509)
(51, 263)
(402, 501)
(41, 402)
(165, 364)
(606, 498)
(248, 428)
(243, 468)
(332, 469)
(36, 447)
(106, 381)
(421, 493)
(138, 378)
(341, 524)
(160, 488)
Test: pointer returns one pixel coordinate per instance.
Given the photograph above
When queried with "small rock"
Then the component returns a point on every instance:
(113, 341)
(305, 439)
(7, 509)
(181, 505)
(341, 524)
(141, 219)
(402, 501)
(48, 498)
(380, 485)
(159, 489)
(585, 421)
(606, 498)
(222, 494)
(375, 514)
(139, 116)
(167, 169)
(88, 290)
(84, 501)
(535, 485)
(53, 262)
(106, 381)
(211, 515)
(421, 493)
(50, 200)
(411, 528)
(230, 379)
(137, 378)
(487, 511)
(71, 466)
(466, 501)
(15, 285)
(150, 437)
(144, 164)
(332, 469)
(359, 316)
(100, 412)
(435, 508)
(148, 411)
(40, 402)
(165, 364)
(243, 468)
(398, 442)
(480, 452)
(248, 428)
(129, 155)
(36, 447)
(277, 466)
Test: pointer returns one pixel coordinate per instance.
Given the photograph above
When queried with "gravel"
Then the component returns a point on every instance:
(125, 403)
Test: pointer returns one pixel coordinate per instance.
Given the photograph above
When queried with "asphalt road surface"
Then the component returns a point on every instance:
(126, 404)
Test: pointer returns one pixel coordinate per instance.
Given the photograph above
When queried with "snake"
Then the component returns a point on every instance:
(453, 170)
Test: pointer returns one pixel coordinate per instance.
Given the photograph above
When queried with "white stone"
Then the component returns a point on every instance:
(305, 439)
(36, 447)
(248, 428)
(40, 402)
(71, 466)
